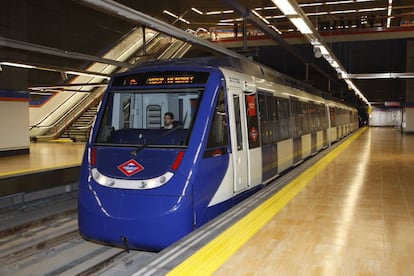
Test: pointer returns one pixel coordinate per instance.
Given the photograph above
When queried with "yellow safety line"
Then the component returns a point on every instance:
(213, 255)
(33, 170)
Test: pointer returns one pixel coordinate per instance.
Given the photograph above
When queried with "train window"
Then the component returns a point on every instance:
(135, 117)
(218, 136)
(296, 120)
(283, 118)
(154, 116)
(264, 118)
(307, 120)
(274, 118)
(315, 117)
(252, 121)
(323, 116)
(268, 118)
(332, 116)
(236, 102)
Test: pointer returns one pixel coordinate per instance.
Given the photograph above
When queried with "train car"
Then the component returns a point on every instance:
(238, 125)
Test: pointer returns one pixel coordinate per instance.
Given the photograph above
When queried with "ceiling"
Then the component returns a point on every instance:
(358, 33)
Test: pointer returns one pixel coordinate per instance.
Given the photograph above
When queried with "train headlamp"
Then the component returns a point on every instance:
(130, 183)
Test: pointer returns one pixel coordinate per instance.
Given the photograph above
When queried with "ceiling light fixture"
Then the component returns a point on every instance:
(275, 29)
(261, 17)
(18, 65)
(389, 13)
(301, 25)
(197, 11)
(176, 16)
(285, 6)
(298, 18)
(71, 72)
(213, 12)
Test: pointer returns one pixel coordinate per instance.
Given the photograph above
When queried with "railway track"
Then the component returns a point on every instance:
(51, 245)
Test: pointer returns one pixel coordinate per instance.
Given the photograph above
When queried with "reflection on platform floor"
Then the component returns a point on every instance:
(355, 218)
(42, 156)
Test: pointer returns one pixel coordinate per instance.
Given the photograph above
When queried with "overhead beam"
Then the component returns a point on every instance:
(10, 43)
(371, 76)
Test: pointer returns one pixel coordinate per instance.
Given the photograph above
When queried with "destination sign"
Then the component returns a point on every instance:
(170, 80)
(162, 78)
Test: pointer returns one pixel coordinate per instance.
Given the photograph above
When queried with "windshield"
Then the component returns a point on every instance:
(149, 117)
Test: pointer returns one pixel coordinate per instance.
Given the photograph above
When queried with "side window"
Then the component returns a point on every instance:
(283, 118)
(153, 116)
(252, 121)
(236, 101)
(332, 116)
(263, 115)
(218, 136)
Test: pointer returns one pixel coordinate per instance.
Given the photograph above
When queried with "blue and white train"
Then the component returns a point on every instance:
(238, 126)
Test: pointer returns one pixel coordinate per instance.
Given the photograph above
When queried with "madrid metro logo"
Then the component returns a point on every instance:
(130, 167)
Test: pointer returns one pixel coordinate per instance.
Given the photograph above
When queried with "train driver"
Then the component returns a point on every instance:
(168, 120)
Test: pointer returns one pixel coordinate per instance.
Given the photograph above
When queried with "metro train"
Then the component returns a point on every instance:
(239, 124)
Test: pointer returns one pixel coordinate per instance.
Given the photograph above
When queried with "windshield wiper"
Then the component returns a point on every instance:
(143, 146)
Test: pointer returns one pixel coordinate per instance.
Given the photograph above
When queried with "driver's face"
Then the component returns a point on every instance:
(167, 120)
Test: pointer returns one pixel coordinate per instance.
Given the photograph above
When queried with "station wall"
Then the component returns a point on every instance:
(14, 122)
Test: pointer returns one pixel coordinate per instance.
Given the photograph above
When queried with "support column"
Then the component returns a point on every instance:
(408, 113)
(10, 77)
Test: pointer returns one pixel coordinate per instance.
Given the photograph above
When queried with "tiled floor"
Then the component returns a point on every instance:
(355, 218)
(42, 156)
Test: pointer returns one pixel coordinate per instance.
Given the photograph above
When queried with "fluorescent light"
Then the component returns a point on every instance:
(197, 11)
(213, 12)
(311, 4)
(219, 12)
(316, 13)
(86, 74)
(27, 66)
(274, 16)
(342, 12)
(389, 13)
(285, 7)
(324, 51)
(389, 75)
(339, 2)
(261, 17)
(176, 16)
(170, 13)
(230, 20)
(265, 8)
(20, 65)
(371, 10)
(183, 20)
(343, 74)
(334, 64)
(276, 29)
(301, 25)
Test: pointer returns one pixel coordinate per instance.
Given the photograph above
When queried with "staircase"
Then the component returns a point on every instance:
(81, 127)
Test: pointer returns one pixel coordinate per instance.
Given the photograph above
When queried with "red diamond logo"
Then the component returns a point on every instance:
(130, 167)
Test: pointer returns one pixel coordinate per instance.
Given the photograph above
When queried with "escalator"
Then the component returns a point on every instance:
(67, 119)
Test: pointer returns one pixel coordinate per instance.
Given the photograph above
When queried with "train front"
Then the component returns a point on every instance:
(135, 189)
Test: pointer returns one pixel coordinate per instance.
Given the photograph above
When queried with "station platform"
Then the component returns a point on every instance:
(351, 213)
(46, 165)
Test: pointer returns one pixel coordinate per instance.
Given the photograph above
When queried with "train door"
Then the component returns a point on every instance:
(239, 143)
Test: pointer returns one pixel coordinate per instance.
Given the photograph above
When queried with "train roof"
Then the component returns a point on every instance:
(245, 66)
